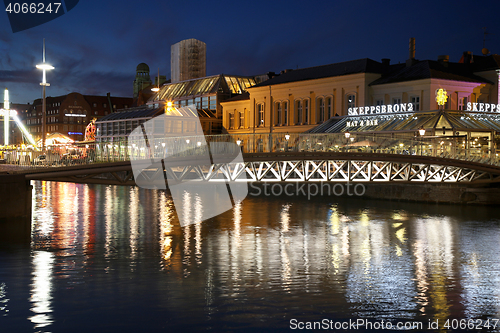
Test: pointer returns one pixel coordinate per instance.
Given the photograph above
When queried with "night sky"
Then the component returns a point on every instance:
(96, 47)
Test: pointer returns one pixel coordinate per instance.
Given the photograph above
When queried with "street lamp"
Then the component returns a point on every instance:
(6, 117)
(156, 89)
(421, 131)
(238, 142)
(44, 67)
(347, 134)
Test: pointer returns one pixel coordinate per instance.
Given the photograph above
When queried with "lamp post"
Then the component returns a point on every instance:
(44, 67)
(6, 117)
(347, 136)
(157, 88)
(421, 131)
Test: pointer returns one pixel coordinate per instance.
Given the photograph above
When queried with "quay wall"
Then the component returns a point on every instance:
(15, 208)
(446, 193)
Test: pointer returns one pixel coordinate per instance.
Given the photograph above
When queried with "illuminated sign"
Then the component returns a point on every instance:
(362, 122)
(441, 96)
(396, 108)
(483, 107)
(75, 115)
(4, 113)
(75, 133)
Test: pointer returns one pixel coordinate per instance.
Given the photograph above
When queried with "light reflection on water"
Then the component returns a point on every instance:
(41, 289)
(119, 253)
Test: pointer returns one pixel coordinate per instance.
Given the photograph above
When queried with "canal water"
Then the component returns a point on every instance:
(115, 259)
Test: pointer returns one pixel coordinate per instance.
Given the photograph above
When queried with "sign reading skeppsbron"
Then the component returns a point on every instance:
(408, 107)
(396, 108)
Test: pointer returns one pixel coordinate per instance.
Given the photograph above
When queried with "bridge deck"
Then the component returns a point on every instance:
(354, 166)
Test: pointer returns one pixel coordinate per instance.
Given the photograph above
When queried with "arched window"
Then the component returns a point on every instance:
(306, 111)
(242, 120)
(285, 113)
(247, 113)
(298, 108)
(321, 110)
(351, 101)
(278, 113)
(260, 114)
(329, 108)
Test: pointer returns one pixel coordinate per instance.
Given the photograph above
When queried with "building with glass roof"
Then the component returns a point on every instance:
(203, 94)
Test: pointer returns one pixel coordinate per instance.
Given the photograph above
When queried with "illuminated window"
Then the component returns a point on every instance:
(231, 120)
(213, 103)
(415, 100)
(351, 101)
(260, 111)
(242, 120)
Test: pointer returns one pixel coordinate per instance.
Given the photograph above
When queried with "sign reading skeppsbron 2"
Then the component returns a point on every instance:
(356, 112)
(396, 108)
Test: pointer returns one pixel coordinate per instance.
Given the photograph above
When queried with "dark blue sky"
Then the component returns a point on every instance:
(96, 47)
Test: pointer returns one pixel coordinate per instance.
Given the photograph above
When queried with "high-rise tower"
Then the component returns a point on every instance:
(188, 60)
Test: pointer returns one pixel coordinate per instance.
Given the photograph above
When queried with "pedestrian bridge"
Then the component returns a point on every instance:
(272, 158)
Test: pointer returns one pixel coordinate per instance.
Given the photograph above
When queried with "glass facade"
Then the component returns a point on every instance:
(412, 122)
(206, 86)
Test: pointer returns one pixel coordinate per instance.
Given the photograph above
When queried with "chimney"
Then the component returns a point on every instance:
(444, 60)
(467, 57)
(412, 48)
(411, 60)
(385, 64)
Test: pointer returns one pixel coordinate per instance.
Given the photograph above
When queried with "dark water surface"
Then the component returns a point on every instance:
(115, 259)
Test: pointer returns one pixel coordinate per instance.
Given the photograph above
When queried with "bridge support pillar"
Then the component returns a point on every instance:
(15, 208)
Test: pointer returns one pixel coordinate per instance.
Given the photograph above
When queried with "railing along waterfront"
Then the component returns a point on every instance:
(158, 148)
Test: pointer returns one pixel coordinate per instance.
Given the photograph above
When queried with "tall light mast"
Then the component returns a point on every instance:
(43, 66)
(6, 117)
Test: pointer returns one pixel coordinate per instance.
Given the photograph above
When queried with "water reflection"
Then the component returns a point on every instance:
(480, 281)
(3, 300)
(41, 289)
(262, 259)
(434, 241)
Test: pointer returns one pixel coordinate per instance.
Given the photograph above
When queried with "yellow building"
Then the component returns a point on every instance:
(297, 101)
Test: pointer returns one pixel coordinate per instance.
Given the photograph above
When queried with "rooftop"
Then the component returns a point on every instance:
(429, 69)
(203, 86)
(338, 69)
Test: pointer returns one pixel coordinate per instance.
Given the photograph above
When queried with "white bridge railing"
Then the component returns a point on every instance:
(158, 148)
